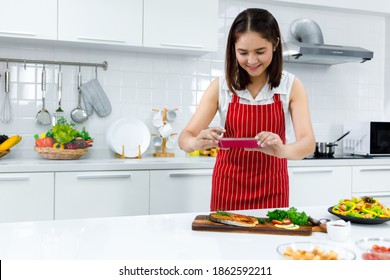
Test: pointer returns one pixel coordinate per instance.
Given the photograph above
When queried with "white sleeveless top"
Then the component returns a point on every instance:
(264, 97)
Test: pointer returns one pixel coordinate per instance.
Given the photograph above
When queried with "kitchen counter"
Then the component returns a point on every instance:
(167, 237)
(97, 160)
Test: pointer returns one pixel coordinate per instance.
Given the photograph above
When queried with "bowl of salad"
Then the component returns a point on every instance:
(374, 248)
(364, 210)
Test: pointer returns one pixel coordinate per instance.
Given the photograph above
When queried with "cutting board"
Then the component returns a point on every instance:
(202, 223)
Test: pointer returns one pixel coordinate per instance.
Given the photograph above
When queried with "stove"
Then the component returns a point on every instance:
(341, 156)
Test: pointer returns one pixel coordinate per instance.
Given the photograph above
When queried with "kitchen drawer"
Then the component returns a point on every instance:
(26, 197)
(367, 179)
(101, 194)
(313, 186)
(180, 191)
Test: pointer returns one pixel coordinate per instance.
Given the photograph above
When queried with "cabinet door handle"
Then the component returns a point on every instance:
(374, 194)
(15, 178)
(17, 33)
(100, 39)
(182, 46)
(312, 171)
(179, 175)
(374, 169)
(104, 176)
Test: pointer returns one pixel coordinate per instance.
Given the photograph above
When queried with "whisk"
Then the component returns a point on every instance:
(6, 111)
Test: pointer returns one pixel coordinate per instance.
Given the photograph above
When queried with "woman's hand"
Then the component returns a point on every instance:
(270, 144)
(207, 138)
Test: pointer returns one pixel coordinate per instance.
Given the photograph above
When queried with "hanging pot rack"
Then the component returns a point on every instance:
(103, 65)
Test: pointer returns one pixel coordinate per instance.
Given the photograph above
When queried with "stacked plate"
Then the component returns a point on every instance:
(127, 135)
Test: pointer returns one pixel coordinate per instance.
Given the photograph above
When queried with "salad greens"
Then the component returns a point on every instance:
(298, 218)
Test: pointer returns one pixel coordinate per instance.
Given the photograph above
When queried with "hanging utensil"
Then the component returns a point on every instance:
(43, 117)
(6, 112)
(78, 114)
(59, 113)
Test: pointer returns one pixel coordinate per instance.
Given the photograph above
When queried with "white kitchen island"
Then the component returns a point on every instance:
(163, 237)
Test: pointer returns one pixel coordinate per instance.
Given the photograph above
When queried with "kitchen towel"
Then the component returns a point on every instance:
(95, 98)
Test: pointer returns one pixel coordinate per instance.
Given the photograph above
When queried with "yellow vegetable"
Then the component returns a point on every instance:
(58, 146)
(10, 142)
(43, 135)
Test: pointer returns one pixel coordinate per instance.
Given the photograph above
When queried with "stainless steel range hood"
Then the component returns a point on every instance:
(324, 54)
(307, 46)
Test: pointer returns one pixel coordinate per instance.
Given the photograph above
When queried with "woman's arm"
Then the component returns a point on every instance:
(300, 116)
(196, 135)
(304, 145)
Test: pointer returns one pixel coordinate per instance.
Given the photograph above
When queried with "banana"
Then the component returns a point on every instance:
(10, 142)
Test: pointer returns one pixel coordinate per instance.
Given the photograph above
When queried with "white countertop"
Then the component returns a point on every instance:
(167, 237)
(97, 160)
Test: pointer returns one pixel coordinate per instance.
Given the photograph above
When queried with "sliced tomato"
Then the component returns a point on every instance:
(287, 221)
(277, 222)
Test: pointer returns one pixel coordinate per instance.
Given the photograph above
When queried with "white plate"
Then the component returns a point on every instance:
(129, 133)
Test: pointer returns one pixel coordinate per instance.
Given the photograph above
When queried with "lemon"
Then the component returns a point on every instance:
(290, 226)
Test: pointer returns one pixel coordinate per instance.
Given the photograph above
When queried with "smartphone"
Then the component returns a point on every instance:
(238, 143)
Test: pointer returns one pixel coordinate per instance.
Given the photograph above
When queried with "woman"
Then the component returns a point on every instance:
(255, 98)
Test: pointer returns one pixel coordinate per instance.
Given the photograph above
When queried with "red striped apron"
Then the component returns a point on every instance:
(250, 179)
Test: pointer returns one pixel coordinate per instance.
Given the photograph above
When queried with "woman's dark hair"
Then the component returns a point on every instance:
(262, 22)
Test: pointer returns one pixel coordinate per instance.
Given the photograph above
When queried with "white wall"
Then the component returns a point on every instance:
(138, 82)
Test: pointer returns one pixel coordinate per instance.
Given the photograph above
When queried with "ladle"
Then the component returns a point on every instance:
(43, 117)
(78, 114)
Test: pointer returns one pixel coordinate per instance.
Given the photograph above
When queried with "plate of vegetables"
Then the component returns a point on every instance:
(63, 141)
(364, 210)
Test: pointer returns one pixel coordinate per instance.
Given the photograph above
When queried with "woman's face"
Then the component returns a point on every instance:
(254, 53)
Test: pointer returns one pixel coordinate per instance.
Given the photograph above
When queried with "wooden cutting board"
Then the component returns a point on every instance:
(202, 223)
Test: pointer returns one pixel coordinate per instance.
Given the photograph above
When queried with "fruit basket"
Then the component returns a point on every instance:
(52, 153)
(63, 141)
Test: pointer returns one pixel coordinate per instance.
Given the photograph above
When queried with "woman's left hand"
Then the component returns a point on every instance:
(270, 144)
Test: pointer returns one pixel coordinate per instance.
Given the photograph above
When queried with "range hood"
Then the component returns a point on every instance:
(307, 46)
(324, 54)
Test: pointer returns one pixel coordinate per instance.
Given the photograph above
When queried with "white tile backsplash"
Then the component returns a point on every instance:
(138, 82)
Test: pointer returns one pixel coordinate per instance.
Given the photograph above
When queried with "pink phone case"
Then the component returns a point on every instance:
(238, 143)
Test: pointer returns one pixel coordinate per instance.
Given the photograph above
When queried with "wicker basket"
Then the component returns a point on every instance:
(52, 153)
(3, 153)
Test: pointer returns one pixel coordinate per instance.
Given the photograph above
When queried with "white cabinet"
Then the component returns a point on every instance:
(26, 197)
(101, 194)
(310, 186)
(372, 181)
(117, 22)
(181, 24)
(180, 191)
(29, 19)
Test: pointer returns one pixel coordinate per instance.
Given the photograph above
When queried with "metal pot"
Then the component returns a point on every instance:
(327, 149)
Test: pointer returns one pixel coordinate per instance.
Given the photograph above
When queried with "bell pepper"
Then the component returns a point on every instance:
(58, 146)
(44, 142)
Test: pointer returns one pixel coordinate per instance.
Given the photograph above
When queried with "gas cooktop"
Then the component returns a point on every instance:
(342, 156)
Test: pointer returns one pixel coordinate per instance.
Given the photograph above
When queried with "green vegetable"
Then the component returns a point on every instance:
(298, 218)
(83, 134)
(261, 221)
(63, 133)
(223, 213)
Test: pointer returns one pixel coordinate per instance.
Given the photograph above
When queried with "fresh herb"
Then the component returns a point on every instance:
(298, 218)
(261, 220)
(224, 213)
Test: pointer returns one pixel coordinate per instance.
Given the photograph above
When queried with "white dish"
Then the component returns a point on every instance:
(128, 133)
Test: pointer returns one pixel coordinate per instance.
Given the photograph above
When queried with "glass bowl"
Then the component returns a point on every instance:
(374, 248)
(314, 251)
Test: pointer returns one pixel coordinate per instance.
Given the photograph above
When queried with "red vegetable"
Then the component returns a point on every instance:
(44, 142)
(277, 222)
